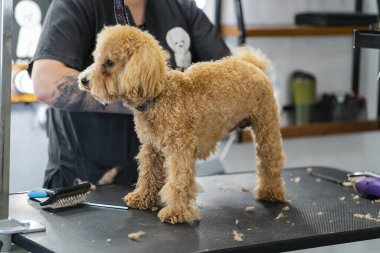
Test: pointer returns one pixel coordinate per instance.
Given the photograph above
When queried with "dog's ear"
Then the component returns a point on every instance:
(145, 72)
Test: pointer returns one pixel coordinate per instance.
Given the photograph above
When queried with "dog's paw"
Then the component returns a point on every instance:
(139, 201)
(270, 193)
(175, 215)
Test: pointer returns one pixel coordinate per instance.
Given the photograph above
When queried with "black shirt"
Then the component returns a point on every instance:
(86, 144)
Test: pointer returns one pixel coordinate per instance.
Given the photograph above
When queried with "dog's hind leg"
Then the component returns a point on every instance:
(269, 150)
(150, 181)
(179, 192)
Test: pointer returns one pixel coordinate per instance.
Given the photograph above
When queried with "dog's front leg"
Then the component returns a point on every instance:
(150, 181)
(179, 192)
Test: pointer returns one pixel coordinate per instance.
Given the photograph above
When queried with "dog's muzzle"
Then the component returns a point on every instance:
(85, 83)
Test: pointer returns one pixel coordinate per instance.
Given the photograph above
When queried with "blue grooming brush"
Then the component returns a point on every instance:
(61, 197)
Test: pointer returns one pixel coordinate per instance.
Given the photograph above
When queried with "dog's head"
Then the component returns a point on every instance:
(129, 65)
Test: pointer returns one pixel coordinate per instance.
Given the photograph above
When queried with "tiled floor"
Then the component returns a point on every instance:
(371, 246)
(350, 152)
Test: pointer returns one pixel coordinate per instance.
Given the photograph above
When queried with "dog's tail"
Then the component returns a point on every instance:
(254, 56)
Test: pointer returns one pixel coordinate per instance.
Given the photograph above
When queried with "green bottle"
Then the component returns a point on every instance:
(303, 96)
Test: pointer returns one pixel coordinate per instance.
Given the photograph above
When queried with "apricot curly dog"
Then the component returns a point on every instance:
(180, 116)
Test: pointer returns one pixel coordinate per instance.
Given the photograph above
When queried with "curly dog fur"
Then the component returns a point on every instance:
(191, 111)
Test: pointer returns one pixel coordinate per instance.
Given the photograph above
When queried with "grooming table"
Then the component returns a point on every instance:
(316, 217)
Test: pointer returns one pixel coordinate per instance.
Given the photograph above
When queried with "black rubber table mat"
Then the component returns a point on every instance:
(317, 216)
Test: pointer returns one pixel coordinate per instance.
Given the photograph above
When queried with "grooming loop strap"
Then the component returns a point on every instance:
(122, 14)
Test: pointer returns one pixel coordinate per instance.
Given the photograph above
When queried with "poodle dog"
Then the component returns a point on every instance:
(180, 116)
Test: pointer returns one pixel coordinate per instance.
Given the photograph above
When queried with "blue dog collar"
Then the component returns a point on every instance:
(144, 107)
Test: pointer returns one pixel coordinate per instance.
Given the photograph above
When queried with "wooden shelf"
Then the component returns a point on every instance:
(325, 128)
(315, 129)
(290, 30)
(23, 98)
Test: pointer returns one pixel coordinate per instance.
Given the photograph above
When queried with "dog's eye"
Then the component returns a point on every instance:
(109, 63)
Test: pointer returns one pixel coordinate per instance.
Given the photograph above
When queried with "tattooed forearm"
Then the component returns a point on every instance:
(71, 98)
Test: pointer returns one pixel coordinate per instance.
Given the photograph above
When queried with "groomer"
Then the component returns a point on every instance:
(86, 139)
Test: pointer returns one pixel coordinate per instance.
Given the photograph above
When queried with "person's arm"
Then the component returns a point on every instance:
(57, 85)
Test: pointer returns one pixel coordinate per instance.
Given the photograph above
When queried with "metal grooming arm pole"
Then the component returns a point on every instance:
(5, 73)
(7, 226)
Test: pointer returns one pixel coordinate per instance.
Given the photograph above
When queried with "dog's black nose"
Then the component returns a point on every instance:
(85, 82)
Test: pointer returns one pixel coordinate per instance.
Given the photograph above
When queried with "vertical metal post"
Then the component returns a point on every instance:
(240, 22)
(359, 5)
(378, 96)
(378, 82)
(355, 64)
(8, 226)
(218, 14)
(6, 10)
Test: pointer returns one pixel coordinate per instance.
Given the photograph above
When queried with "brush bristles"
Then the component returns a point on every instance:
(68, 201)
